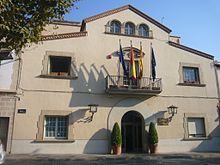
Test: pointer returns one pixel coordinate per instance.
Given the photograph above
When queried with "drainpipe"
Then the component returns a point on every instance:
(217, 85)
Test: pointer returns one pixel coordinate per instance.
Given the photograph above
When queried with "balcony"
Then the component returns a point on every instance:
(123, 86)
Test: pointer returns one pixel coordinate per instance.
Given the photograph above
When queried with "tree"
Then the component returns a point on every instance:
(22, 21)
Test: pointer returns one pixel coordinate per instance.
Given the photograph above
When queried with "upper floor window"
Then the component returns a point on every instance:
(191, 75)
(59, 65)
(115, 27)
(129, 28)
(143, 30)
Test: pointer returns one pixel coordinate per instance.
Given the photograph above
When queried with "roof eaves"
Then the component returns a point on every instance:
(64, 36)
(202, 54)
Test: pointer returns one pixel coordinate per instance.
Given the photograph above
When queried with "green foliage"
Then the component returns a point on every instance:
(22, 21)
(153, 136)
(116, 138)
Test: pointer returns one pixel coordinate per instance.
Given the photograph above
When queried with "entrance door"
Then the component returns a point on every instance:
(132, 132)
(4, 122)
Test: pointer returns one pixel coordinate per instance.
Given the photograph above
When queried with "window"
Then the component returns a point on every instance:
(143, 30)
(115, 27)
(191, 75)
(196, 127)
(129, 29)
(60, 66)
(56, 127)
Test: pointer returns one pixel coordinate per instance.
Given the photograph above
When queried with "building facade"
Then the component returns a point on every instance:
(76, 69)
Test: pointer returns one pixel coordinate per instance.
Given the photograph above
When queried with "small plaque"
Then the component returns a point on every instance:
(163, 121)
(21, 110)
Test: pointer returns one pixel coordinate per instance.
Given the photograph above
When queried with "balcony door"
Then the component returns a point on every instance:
(132, 124)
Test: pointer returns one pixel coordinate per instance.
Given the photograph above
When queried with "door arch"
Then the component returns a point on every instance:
(132, 126)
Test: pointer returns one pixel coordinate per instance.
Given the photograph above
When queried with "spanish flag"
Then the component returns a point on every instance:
(141, 61)
(132, 63)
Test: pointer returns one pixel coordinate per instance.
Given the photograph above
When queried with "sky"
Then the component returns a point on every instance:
(197, 22)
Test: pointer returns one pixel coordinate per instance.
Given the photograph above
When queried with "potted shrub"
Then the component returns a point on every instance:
(116, 139)
(153, 138)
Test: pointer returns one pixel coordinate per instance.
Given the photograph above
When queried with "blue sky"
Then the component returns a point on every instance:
(197, 22)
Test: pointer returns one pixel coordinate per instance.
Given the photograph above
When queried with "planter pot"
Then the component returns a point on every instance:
(153, 148)
(116, 150)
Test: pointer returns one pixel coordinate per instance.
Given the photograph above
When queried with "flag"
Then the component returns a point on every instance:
(122, 61)
(153, 65)
(132, 63)
(141, 63)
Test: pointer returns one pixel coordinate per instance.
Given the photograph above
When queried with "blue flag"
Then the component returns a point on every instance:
(122, 61)
(153, 64)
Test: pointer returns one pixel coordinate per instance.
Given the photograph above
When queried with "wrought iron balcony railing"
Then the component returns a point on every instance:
(124, 85)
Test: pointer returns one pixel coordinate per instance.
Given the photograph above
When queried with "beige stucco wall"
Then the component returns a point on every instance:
(92, 66)
(53, 29)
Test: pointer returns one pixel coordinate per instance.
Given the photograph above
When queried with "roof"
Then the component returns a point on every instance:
(127, 7)
(191, 50)
(64, 35)
(64, 22)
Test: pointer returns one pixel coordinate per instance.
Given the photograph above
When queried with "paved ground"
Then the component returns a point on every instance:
(124, 159)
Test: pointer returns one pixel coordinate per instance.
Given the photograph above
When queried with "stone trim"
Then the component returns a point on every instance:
(64, 36)
(185, 125)
(181, 82)
(45, 64)
(40, 125)
(202, 54)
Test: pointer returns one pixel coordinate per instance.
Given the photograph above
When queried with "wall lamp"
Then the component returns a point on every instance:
(93, 109)
(172, 110)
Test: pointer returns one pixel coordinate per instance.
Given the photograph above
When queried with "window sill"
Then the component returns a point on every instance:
(121, 34)
(58, 77)
(54, 141)
(192, 84)
(196, 139)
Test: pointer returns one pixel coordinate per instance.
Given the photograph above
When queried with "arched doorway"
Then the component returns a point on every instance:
(132, 125)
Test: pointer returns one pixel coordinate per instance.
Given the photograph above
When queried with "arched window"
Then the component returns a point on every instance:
(129, 28)
(143, 30)
(115, 27)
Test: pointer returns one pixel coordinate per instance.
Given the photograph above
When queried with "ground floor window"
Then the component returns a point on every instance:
(56, 127)
(196, 127)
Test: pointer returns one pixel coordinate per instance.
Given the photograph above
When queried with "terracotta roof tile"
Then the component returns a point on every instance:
(191, 50)
(63, 36)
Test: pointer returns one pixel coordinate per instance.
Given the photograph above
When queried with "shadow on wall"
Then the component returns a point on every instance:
(90, 82)
(153, 118)
(213, 142)
(98, 143)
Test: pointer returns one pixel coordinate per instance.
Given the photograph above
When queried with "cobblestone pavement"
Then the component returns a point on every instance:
(124, 159)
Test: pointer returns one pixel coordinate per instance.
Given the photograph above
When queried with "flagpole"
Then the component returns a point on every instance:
(119, 62)
(150, 61)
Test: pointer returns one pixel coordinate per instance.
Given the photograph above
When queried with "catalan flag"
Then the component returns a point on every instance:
(141, 63)
(132, 63)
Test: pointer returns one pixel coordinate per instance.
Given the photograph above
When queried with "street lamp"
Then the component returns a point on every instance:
(93, 109)
(172, 110)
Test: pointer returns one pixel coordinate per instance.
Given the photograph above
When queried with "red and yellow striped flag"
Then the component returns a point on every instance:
(141, 61)
(132, 63)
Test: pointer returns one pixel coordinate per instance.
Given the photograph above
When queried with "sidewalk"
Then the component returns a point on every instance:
(162, 159)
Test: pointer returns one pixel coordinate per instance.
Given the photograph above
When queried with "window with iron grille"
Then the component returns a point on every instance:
(191, 75)
(56, 127)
